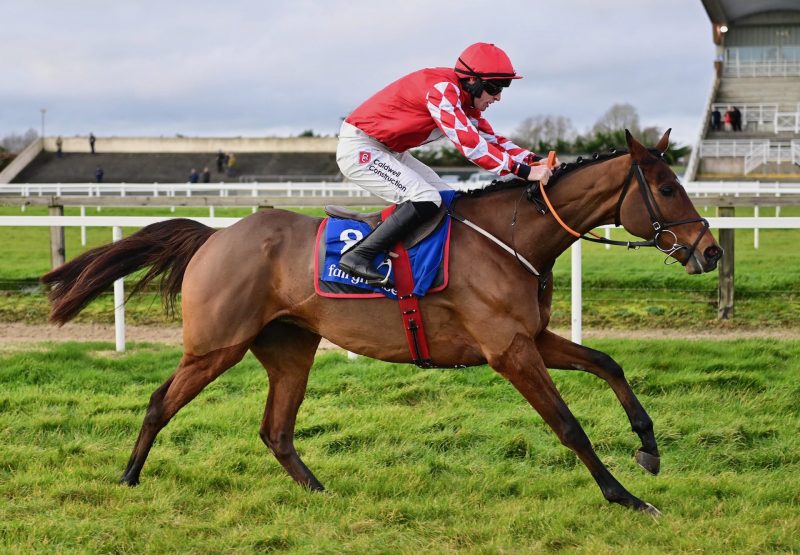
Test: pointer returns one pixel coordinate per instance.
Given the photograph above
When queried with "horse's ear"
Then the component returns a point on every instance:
(637, 150)
(663, 144)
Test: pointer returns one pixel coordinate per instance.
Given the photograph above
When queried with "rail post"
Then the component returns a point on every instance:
(57, 242)
(726, 273)
(119, 301)
(577, 293)
(83, 227)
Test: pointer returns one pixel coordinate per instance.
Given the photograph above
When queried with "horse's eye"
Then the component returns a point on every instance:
(666, 190)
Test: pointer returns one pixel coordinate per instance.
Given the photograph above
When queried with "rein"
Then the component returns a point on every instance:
(659, 225)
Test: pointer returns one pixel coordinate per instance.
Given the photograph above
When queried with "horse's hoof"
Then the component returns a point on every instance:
(650, 510)
(650, 463)
(130, 482)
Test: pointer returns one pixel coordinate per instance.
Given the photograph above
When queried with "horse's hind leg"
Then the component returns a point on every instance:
(287, 352)
(560, 353)
(192, 375)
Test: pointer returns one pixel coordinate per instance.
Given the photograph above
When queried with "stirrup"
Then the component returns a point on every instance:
(385, 281)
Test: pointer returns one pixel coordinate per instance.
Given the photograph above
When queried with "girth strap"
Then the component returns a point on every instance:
(409, 309)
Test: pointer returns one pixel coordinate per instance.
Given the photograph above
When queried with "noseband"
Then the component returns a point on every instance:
(660, 226)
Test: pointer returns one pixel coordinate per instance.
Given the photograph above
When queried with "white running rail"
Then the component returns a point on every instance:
(326, 192)
(287, 188)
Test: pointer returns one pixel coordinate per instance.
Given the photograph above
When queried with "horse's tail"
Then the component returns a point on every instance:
(166, 247)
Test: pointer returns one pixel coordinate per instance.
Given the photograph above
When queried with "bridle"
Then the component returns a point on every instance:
(660, 226)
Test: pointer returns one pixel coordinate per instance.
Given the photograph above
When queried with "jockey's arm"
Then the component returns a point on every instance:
(482, 146)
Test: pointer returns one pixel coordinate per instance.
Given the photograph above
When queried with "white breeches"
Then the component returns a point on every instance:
(393, 176)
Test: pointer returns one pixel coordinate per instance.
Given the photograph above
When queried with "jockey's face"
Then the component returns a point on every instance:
(485, 99)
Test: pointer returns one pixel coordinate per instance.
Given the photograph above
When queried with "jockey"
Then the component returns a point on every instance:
(421, 107)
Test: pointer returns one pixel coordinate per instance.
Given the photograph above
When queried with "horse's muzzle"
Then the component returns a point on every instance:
(712, 254)
(705, 262)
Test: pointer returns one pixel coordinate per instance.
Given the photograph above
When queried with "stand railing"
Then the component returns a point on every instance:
(787, 121)
(756, 157)
(779, 153)
(733, 67)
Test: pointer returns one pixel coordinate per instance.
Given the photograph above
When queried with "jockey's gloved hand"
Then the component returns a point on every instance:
(540, 173)
(532, 173)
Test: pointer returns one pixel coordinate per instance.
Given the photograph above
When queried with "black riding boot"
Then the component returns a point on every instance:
(405, 218)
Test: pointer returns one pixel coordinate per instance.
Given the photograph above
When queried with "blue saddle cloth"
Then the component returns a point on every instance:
(428, 259)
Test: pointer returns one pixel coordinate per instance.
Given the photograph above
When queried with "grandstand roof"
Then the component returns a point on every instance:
(728, 11)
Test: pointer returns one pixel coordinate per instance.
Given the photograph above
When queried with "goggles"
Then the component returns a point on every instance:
(495, 86)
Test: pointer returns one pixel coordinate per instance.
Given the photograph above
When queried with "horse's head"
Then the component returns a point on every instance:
(654, 205)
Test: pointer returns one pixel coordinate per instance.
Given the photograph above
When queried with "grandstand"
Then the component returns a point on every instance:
(757, 71)
(148, 160)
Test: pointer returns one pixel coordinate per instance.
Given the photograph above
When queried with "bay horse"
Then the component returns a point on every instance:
(251, 287)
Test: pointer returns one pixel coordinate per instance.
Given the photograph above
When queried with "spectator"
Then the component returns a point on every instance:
(716, 120)
(98, 174)
(736, 119)
(220, 161)
(206, 175)
(193, 177)
(59, 145)
(728, 119)
(91, 141)
(231, 163)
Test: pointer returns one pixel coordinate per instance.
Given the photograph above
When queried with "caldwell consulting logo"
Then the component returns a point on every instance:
(364, 157)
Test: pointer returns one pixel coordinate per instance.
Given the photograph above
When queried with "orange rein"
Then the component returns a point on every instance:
(551, 162)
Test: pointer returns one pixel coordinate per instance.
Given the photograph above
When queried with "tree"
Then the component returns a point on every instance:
(600, 141)
(543, 133)
(16, 143)
(618, 117)
(5, 158)
(440, 154)
(649, 136)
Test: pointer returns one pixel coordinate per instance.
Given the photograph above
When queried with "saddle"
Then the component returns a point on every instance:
(372, 219)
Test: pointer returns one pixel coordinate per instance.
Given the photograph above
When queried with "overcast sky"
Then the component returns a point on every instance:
(264, 67)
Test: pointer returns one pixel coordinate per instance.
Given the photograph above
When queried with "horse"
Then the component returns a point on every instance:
(251, 287)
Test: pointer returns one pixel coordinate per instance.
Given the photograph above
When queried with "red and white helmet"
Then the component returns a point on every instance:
(485, 61)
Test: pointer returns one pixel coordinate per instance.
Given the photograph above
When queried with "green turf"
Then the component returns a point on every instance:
(414, 460)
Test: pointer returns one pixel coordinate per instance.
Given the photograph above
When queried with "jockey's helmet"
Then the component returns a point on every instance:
(486, 62)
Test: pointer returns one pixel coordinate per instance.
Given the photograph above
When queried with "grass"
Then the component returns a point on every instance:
(622, 289)
(414, 460)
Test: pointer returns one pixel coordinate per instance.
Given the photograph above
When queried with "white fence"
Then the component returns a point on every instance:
(287, 188)
(339, 189)
(118, 222)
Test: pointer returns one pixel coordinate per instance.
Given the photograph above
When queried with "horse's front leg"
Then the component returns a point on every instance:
(563, 354)
(522, 365)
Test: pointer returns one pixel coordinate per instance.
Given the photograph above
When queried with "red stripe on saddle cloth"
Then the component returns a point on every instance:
(409, 303)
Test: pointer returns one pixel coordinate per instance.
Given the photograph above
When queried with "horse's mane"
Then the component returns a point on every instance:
(561, 171)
